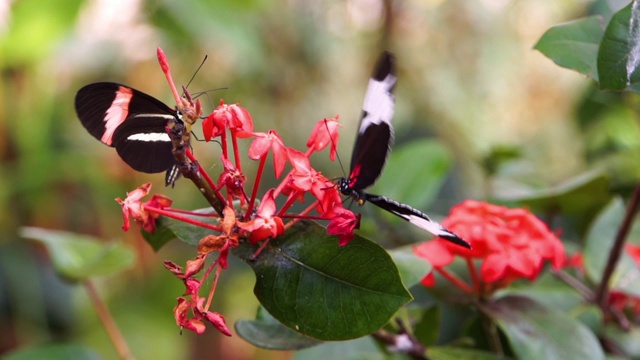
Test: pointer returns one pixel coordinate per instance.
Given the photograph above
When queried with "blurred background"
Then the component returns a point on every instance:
(469, 81)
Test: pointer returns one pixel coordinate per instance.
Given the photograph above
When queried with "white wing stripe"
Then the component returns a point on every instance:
(378, 102)
(149, 137)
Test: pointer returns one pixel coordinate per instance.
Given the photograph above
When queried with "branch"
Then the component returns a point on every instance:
(190, 170)
(602, 291)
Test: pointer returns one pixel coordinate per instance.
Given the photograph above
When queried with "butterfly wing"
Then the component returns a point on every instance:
(129, 120)
(375, 133)
(415, 217)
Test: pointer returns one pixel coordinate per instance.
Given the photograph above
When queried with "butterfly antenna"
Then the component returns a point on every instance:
(334, 145)
(196, 72)
(206, 92)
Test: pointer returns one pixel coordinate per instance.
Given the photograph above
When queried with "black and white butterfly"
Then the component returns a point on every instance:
(132, 122)
(373, 145)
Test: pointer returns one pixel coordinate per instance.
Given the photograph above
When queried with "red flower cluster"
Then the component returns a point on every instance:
(229, 123)
(511, 244)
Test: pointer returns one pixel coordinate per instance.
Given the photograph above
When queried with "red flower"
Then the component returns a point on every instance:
(305, 178)
(264, 225)
(234, 117)
(342, 224)
(132, 206)
(324, 133)
(157, 202)
(511, 243)
(261, 145)
(633, 251)
(232, 179)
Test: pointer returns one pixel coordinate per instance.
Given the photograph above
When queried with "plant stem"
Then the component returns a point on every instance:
(190, 169)
(602, 291)
(107, 321)
(491, 330)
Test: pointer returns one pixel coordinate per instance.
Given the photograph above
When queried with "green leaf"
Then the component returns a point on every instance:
(538, 332)
(418, 184)
(312, 285)
(427, 329)
(574, 196)
(34, 29)
(80, 257)
(499, 155)
(54, 352)
(574, 45)
(266, 332)
(619, 54)
(168, 229)
(626, 340)
(455, 353)
(412, 268)
(360, 349)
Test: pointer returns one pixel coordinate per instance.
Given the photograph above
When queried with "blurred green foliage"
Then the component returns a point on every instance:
(468, 76)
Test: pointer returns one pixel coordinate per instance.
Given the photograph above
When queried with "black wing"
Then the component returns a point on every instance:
(129, 120)
(375, 133)
(103, 106)
(415, 217)
(143, 143)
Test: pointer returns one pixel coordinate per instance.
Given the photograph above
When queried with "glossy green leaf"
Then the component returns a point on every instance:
(574, 45)
(427, 329)
(168, 229)
(424, 165)
(548, 290)
(456, 353)
(80, 257)
(574, 196)
(627, 341)
(360, 349)
(537, 332)
(412, 268)
(54, 352)
(268, 333)
(619, 54)
(312, 285)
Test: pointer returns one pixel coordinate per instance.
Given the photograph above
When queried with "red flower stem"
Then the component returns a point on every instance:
(255, 255)
(237, 158)
(172, 215)
(309, 151)
(192, 213)
(292, 198)
(212, 291)
(455, 281)
(602, 291)
(223, 142)
(302, 215)
(254, 191)
(474, 274)
(109, 324)
(236, 151)
(307, 217)
(164, 64)
(206, 176)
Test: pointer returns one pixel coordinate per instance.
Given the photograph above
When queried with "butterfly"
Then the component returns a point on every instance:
(372, 147)
(132, 122)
